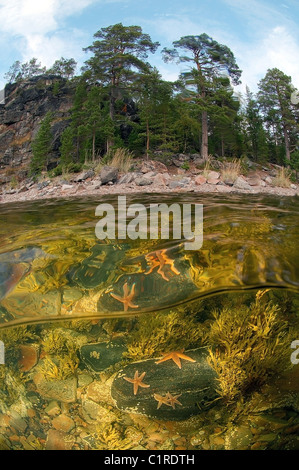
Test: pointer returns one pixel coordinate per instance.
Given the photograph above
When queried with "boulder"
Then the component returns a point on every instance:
(241, 183)
(127, 178)
(28, 356)
(84, 175)
(176, 184)
(143, 181)
(160, 179)
(58, 440)
(167, 391)
(268, 180)
(60, 390)
(254, 181)
(108, 173)
(100, 356)
(213, 176)
(200, 179)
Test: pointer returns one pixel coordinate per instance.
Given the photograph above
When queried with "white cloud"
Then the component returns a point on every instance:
(35, 28)
(277, 49)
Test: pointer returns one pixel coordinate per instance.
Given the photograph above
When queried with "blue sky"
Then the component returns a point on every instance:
(261, 33)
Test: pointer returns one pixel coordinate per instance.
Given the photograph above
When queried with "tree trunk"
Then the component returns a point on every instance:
(110, 140)
(93, 145)
(147, 139)
(204, 136)
(222, 146)
(287, 143)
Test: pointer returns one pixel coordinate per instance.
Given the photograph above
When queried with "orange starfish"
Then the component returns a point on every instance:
(161, 400)
(172, 401)
(168, 400)
(137, 381)
(176, 356)
(127, 298)
(161, 260)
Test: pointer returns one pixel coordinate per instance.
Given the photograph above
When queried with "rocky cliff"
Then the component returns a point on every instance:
(24, 108)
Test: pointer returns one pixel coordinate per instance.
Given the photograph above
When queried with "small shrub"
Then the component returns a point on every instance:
(74, 167)
(283, 178)
(231, 171)
(122, 159)
(207, 166)
(185, 166)
(56, 171)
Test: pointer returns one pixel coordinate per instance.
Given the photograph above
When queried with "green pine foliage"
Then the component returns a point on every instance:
(41, 146)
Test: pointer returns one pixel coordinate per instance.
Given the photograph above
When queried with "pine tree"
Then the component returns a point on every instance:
(256, 137)
(119, 54)
(154, 101)
(67, 148)
(64, 67)
(274, 97)
(41, 146)
(208, 60)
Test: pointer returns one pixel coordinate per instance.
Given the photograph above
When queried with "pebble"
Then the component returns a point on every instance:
(28, 357)
(63, 423)
(53, 408)
(57, 440)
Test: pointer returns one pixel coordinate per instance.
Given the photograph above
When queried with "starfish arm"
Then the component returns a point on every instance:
(161, 400)
(150, 271)
(117, 297)
(126, 289)
(162, 273)
(132, 305)
(132, 293)
(143, 385)
(187, 358)
(129, 380)
(176, 360)
(165, 358)
(175, 270)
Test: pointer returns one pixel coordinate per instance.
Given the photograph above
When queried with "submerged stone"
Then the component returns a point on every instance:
(100, 356)
(163, 389)
(96, 270)
(60, 390)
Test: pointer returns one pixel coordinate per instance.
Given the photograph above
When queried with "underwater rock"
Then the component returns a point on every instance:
(58, 440)
(163, 283)
(53, 408)
(10, 275)
(28, 356)
(238, 438)
(161, 389)
(32, 304)
(92, 412)
(63, 423)
(60, 390)
(96, 270)
(100, 356)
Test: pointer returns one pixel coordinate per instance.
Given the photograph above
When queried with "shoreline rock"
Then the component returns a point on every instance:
(147, 177)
